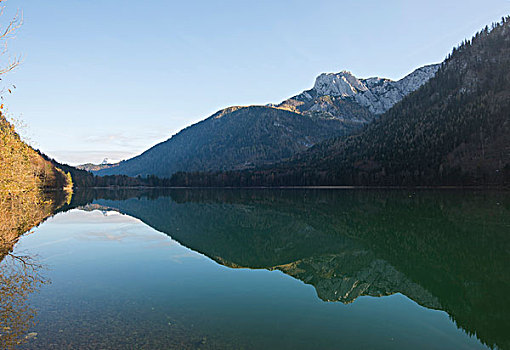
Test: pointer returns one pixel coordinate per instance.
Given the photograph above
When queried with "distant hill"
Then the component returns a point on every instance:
(95, 167)
(453, 130)
(245, 137)
(85, 179)
(234, 138)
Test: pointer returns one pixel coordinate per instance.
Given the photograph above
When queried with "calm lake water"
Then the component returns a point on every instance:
(271, 269)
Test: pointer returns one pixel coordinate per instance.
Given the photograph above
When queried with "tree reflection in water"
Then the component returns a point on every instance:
(20, 276)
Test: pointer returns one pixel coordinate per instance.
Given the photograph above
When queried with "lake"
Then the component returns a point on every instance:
(265, 269)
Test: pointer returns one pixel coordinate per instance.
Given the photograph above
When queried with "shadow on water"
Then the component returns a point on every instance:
(446, 250)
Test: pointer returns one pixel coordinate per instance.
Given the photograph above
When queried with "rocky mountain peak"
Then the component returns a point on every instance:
(343, 84)
(376, 94)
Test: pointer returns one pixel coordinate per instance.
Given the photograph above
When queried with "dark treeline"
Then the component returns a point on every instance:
(83, 178)
(454, 130)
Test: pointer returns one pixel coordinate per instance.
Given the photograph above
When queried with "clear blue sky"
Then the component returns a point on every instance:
(110, 78)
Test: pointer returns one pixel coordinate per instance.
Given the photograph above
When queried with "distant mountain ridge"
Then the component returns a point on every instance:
(242, 137)
(95, 167)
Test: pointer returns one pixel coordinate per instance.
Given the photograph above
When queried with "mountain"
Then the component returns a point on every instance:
(233, 138)
(245, 137)
(335, 93)
(453, 130)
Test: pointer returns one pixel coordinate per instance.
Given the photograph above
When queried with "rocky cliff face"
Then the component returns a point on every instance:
(377, 95)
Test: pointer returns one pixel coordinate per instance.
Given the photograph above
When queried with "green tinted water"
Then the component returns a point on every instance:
(279, 269)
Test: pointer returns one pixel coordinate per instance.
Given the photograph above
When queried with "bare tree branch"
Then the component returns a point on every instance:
(7, 33)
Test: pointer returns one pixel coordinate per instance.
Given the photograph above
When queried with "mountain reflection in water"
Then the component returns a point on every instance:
(446, 250)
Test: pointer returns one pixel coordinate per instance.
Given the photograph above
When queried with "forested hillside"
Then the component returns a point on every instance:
(24, 177)
(454, 130)
(22, 168)
(234, 138)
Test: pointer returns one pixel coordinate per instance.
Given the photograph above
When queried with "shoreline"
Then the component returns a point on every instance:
(500, 188)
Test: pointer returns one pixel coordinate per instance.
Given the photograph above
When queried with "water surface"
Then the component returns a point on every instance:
(280, 269)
